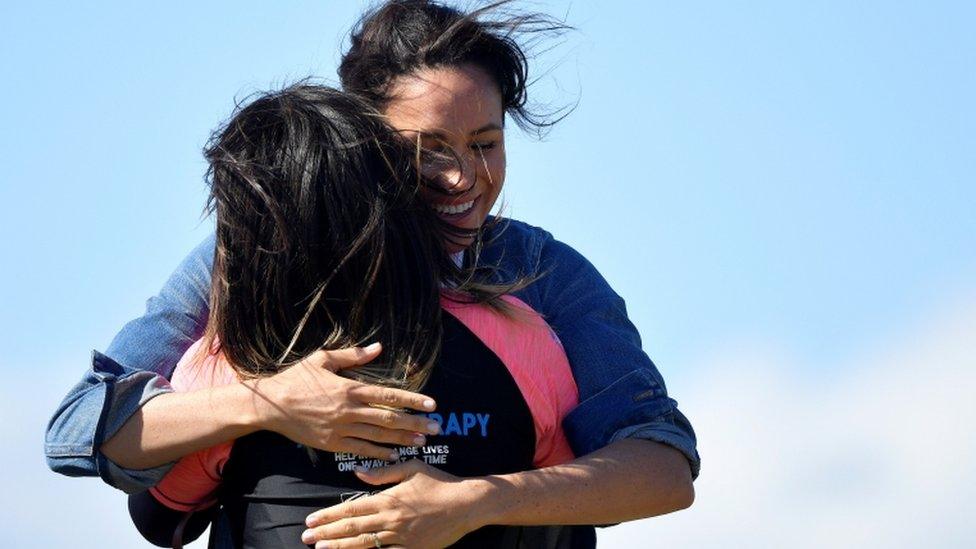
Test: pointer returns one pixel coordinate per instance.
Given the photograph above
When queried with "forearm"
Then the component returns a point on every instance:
(174, 425)
(627, 480)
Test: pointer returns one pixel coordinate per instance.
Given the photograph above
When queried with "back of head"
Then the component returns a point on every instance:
(322, 239)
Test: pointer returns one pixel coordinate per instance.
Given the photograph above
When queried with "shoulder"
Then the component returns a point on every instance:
(202, 368)
(511, 243)
(512, 234)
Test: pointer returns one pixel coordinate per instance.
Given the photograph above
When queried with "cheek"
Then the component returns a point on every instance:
(496, 169)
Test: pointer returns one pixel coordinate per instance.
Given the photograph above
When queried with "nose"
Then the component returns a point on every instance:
(460, 176)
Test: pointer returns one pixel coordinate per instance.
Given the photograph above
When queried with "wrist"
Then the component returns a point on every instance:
(488, 501)
(245, 411)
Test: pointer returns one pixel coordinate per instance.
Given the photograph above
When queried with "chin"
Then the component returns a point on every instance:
(455, 247)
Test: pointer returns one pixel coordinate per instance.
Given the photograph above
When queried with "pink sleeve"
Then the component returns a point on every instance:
(534, 356)
(192, 483)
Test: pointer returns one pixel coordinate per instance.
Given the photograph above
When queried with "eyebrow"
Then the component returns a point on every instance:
(491, 126)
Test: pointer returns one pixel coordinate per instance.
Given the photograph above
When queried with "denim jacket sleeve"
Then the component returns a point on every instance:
(135, 368)
(622, 394)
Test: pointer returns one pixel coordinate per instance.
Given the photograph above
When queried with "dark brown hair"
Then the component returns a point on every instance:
(402, 36)
(322, 238)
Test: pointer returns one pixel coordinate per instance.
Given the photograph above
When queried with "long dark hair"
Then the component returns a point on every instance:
(322, 238)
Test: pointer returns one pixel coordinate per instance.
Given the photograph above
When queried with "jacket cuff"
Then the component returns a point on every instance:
(126, 391)
(650, 415)
(666, 431)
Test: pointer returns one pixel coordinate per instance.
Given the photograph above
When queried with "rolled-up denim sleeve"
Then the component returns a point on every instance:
(134, 369)
(622, 394)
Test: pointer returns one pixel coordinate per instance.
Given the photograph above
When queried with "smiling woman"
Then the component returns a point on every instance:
(446, 80)
(455, 114)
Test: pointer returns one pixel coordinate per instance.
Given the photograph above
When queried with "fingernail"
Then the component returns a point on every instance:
(307, 537)
(310, 521)
(371, 347)
(433, 428)
(419, 441)
(429, 404)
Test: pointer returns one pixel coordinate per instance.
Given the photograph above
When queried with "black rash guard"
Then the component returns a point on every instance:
(270, 484)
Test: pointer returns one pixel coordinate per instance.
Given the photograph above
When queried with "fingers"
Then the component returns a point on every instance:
(367, 449)
(374, 433)
(344, 358)
(394, 398)
(363, 507)
(366, 540)
(393, 420)
(350, 530)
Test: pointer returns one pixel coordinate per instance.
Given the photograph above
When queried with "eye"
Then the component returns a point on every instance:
(482, 146)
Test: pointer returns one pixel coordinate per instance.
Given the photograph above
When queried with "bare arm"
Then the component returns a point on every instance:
(308, 403)
(626, 480)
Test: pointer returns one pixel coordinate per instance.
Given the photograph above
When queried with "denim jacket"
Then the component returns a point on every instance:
(621, 393)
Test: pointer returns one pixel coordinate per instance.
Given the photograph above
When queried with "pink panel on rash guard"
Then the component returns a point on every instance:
(192, 483)
(535, 358)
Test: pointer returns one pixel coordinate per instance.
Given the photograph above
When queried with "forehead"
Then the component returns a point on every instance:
(448, 100)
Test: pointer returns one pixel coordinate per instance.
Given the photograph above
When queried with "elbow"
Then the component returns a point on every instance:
(684, 495)
(676, 484)
(683, 485)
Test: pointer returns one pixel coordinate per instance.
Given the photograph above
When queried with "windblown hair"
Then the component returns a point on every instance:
(323, 241)
(401, 37)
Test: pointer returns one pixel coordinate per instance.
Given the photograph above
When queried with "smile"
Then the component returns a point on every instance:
(454, 209)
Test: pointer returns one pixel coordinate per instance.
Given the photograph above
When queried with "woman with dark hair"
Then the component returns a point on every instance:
(445, 80)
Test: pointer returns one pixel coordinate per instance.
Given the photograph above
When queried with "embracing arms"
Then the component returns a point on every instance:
(429, 508)
(638, 450)
(123, 421)
(621, 393)
(308, 403)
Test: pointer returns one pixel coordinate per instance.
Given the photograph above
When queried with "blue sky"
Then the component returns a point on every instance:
(782, 192)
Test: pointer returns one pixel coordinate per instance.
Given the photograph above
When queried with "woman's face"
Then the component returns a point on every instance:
(455, 113)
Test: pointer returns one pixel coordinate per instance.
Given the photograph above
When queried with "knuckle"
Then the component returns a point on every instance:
(407, 439)
(349, 529)
(390, 417)
(389, 397)
(373, 432)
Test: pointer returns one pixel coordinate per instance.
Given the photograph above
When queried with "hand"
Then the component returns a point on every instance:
(426, 508)
(311, 405)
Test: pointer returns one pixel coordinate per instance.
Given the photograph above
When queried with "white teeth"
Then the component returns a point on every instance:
(455, 209)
